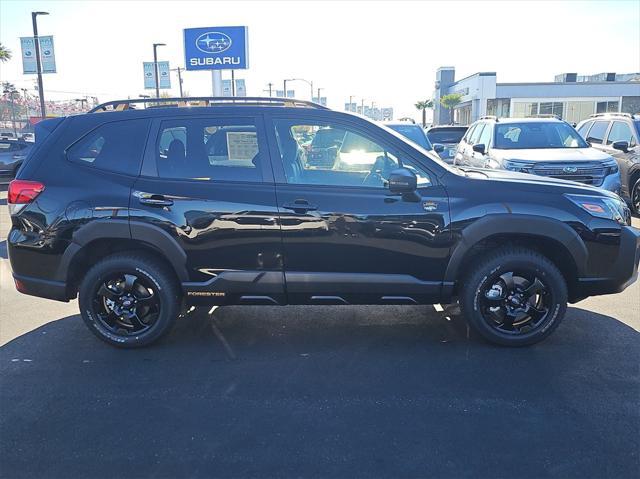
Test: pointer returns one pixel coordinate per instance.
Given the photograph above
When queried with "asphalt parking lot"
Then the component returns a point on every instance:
(318, 392)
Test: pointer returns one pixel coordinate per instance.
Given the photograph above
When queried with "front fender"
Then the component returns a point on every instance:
(516, 224)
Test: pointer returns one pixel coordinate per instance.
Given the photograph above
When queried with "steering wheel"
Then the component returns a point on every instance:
(379, 171)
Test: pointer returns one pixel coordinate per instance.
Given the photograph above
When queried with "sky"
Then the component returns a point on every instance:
(381, 51)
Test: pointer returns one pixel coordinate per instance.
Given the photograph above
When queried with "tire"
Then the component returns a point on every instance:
(508, 286)
(635, 198)
(129, 300)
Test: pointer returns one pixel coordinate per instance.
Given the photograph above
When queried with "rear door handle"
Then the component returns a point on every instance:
(153, 200)
(300, 206)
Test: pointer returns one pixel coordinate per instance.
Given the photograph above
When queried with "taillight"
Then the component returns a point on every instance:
(23, 192)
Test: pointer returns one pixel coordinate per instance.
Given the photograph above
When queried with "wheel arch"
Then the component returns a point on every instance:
(98, 239)
(554, 239)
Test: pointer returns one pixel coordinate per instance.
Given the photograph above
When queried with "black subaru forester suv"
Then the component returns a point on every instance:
(146, 212)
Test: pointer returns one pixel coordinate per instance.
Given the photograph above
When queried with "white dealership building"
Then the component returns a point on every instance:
(570, 96)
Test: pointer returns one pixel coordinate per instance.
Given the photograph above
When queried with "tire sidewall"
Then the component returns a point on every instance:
(487, 273)
(99, 273)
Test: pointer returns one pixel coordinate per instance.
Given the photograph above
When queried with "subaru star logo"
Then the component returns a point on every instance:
(569, 169)
(213, 42)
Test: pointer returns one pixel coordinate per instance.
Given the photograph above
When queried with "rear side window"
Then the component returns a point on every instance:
(209, 149)
(620, 131)
(116, 147)
(597, 131)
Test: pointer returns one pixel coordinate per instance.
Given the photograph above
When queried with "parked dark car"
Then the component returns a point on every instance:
(445, 139)
(95, 215)
(411, 131)
(540, 146)
(12, 154)
(618, 135)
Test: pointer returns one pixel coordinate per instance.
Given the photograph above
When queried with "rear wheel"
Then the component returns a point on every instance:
(129, 300)
(514, 297)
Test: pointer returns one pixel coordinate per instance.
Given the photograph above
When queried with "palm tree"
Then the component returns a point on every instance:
(5, 53)
(423, 105)
(450, 102)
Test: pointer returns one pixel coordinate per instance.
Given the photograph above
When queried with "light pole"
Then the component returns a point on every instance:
(308, 82)
(12, 92)
(351, 101)
(26, 101)
(179, 70)
(284, 93)
(36, 42)
(319, 102)
(270, 85)
(155, 66)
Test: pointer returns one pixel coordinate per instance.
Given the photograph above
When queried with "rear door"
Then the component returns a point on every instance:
(207, 182)
(346, 239)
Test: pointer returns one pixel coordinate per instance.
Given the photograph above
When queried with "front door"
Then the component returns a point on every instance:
(208, 184)
(347, 240)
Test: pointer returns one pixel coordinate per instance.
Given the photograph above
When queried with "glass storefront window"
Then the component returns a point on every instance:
(606, 106)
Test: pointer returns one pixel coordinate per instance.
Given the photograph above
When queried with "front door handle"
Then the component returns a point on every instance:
(152, 199)
(300, 206)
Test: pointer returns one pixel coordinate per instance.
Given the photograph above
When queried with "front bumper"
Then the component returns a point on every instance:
(623, 272)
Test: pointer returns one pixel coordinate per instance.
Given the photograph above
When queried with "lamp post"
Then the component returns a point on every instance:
(308, 82)
(284, 92)
(12, 92)
(155, 66)
(36, 42)
(179, 70)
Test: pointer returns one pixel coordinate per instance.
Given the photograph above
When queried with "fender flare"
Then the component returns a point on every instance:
(146, 233)
(517, 224)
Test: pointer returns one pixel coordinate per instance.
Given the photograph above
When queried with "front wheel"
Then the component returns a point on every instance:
(129, 300)
(514, 297)
(635, 198)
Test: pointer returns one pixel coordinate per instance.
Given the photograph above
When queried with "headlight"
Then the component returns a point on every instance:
(519, 166)
(611, 166)
(603, 207)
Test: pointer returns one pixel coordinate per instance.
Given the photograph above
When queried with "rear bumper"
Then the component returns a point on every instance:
(41, 287)
(624, 270)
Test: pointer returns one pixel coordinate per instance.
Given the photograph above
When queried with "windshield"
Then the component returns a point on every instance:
(446, 135)
(414, 133)
(528, 135)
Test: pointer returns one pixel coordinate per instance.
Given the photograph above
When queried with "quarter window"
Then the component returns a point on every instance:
(620, 131)
(584, 129)
(209, 150)
(116, 146)
(334, 155)
(597, 132)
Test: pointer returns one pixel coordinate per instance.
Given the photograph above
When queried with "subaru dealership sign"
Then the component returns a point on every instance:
(216, 48)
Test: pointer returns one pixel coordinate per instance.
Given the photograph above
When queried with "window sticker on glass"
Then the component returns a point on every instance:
(242, 145)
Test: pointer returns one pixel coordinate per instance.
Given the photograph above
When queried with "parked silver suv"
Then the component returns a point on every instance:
(540, 146)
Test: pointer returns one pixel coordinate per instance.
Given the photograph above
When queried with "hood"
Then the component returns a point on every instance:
(552, 154)
(525, 180)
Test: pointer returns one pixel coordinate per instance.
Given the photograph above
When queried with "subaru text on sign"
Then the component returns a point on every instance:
(216, 48)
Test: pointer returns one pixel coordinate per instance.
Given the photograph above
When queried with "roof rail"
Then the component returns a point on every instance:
(610, 113)
(490, 117)
(203, 101)
(545, 115)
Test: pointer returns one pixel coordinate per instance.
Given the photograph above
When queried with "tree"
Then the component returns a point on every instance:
(5, 53)
(450, 102)
(422, 106)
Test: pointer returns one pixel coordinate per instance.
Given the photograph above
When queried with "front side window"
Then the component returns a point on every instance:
(597, 131)
(210, 150)
(116, 147)
(475, 135)
(485, 136)
(620, 131)
(527, 135)
(584, 128)
(335, 155)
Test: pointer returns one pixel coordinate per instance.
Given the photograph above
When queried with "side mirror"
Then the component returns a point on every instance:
(402, 180)
(480, 148)
(438, 148)
(621, 145)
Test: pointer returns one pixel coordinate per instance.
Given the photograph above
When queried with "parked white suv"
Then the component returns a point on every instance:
(540, 146)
